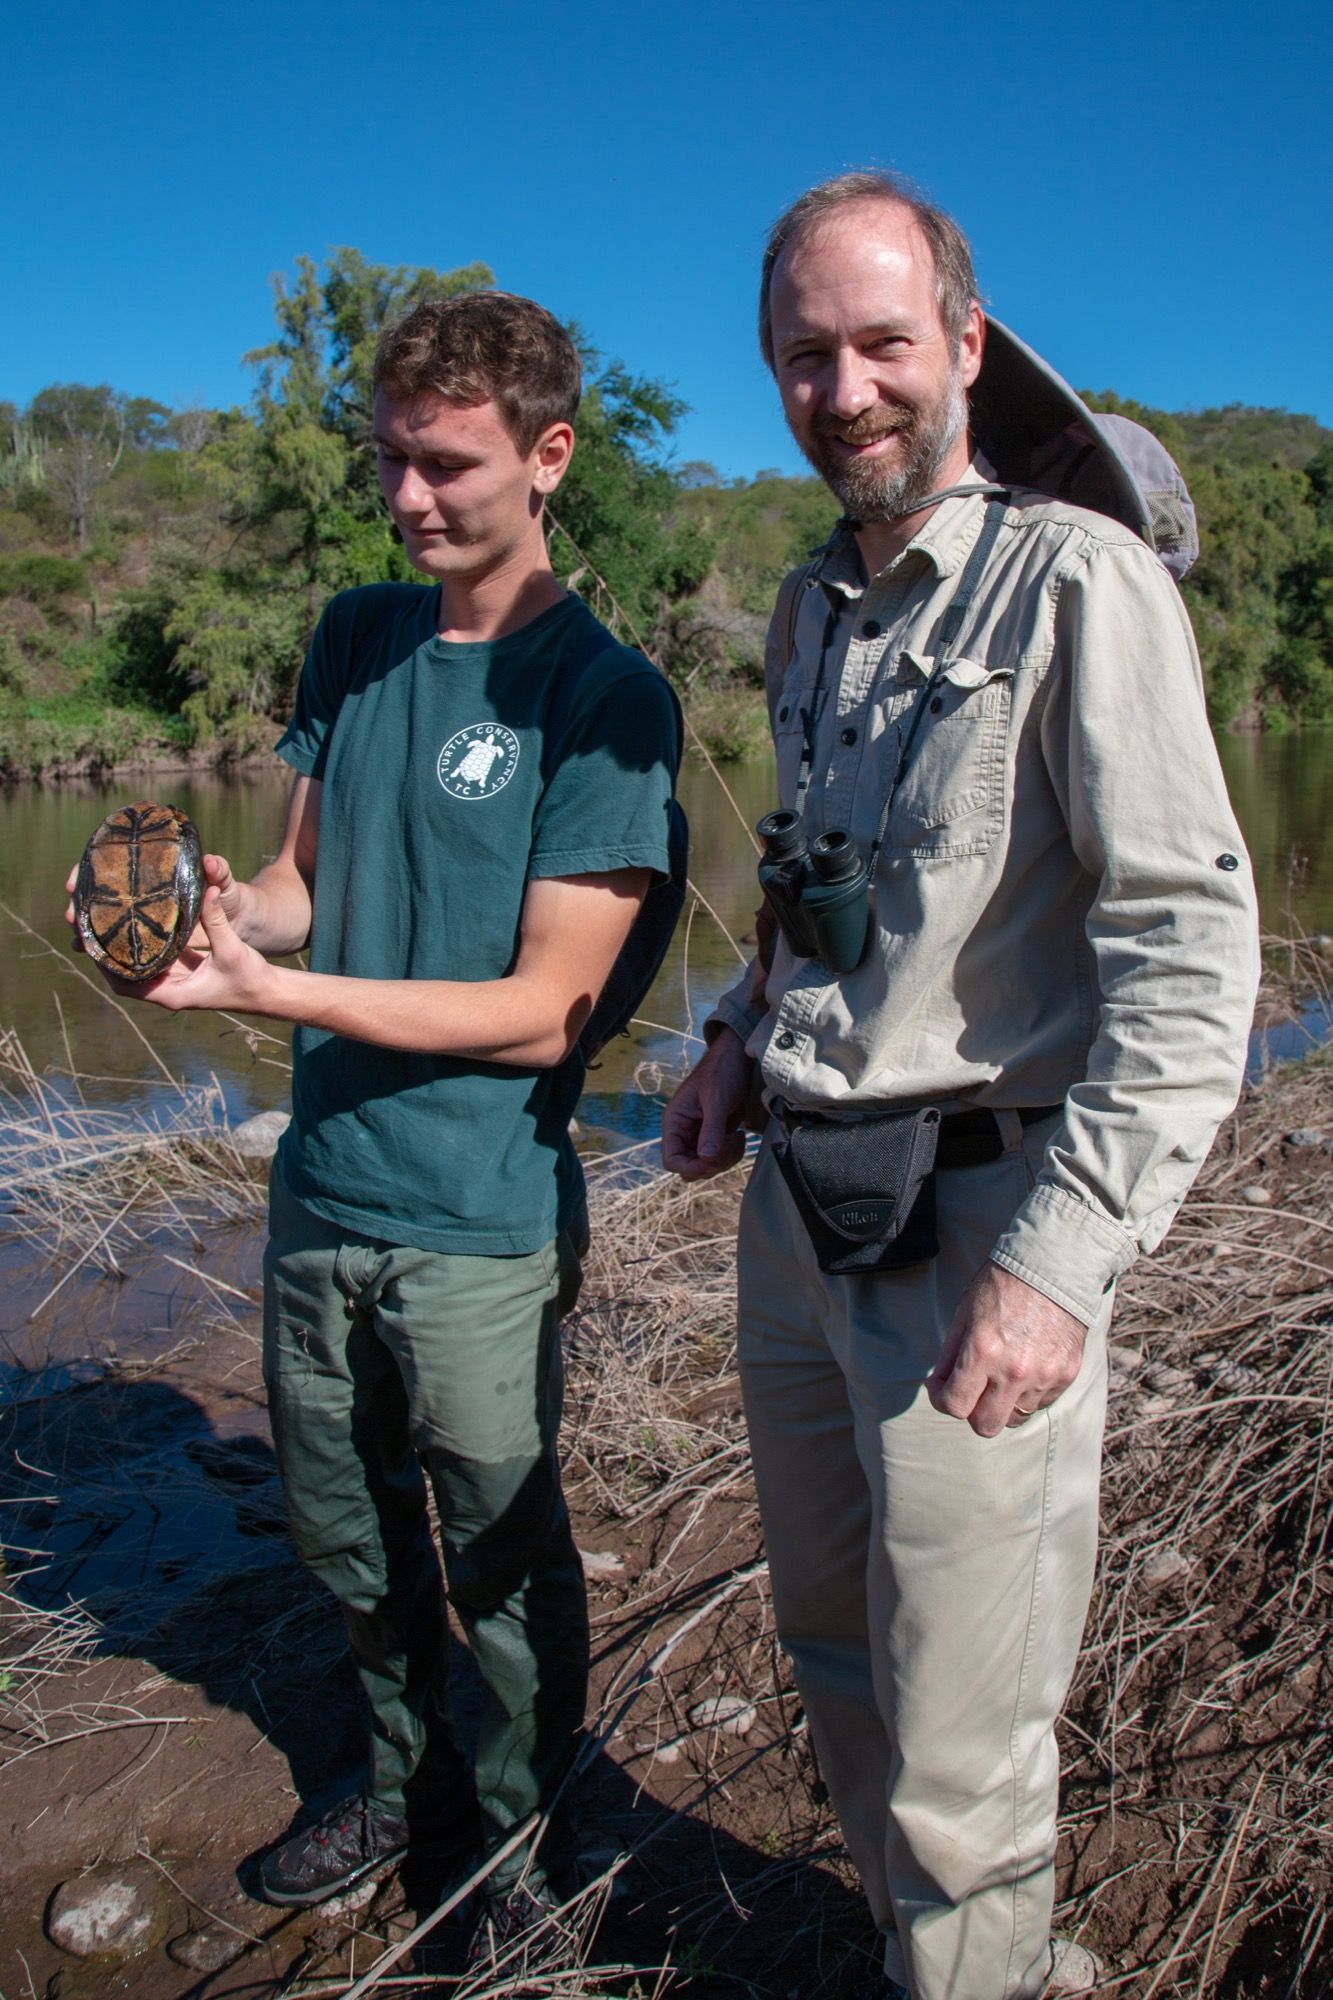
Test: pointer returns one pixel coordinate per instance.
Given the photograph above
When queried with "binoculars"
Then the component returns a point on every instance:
(818, 891)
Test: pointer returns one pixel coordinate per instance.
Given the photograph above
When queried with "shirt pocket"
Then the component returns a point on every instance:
(951, 798)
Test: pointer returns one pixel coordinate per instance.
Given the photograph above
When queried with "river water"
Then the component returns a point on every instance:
(1282, 788)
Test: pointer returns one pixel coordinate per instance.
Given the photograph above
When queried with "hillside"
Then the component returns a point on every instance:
(161, 571)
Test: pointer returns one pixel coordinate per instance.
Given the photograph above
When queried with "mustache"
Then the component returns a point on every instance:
(867, 428)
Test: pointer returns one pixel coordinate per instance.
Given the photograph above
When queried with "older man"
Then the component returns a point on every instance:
(996, 695)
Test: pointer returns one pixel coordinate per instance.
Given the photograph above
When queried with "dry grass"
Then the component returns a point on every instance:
(1198, 1830)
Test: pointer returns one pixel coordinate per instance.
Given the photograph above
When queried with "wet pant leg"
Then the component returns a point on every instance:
(353, 1484)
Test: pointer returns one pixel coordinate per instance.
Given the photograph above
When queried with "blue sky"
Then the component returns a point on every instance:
(1147, 188)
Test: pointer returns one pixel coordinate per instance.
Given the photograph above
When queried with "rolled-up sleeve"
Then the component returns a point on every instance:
(1172, 927)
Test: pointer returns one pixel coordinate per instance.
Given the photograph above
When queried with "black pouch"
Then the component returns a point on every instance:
(866, 1191)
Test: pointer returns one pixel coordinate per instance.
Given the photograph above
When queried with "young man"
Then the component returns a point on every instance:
(996, 695)
(482, 795)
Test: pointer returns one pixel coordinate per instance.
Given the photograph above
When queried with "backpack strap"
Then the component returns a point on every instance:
(788, 606)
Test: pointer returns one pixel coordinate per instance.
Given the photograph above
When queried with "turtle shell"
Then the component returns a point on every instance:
(139, 887)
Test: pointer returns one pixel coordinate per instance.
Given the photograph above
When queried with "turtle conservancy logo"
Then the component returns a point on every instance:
(478, 761)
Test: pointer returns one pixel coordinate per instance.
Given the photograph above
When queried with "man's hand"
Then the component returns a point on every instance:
(216, 970)
(1010, 1351)
(232, 896)
(701, 1132)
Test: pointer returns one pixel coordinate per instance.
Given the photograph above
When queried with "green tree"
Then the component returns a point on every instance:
(617, 515)
(82, 433)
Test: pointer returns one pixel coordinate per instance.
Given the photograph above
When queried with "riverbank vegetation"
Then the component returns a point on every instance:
(161, 570)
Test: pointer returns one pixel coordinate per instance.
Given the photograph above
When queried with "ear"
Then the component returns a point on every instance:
(551, 456)
(972, 345)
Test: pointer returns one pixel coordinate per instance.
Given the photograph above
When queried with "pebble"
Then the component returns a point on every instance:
(667, 1753)
(1305, 1139)
(1125, 1360)
(1168, 1382)
(1257, 1195)
(257, 1138)
(208, 1949)
(1164, 1566)
(1234, 1377)
(601, 1562)
(728, 1713)
(115, 1911)
(355, 1898)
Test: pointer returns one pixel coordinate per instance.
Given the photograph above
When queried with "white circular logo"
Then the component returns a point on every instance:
(478, 761)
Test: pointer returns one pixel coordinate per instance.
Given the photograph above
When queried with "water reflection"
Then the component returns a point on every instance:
(1282, 789)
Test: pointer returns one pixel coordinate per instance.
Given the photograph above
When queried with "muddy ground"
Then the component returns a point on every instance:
(174, 1689)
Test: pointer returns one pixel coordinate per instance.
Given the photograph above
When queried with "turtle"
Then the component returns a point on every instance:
(138, 889)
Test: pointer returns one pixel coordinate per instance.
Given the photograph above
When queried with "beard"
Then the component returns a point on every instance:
(880, 491)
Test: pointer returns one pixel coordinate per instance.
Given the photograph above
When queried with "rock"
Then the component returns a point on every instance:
(208, 1949)
(1124, 1360)
(257, 1138)
(667, 1753)
(355, 1898)
(115, 1911)
(1168, 1382)
(1233, 1377)
(728, 1713)
(601, 1562)
(1305, 1139)
(1256, 1194)
(1165, 1566)
(1322, 943)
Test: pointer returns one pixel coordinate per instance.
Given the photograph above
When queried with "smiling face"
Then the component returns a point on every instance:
(465, 499)
(871, 387)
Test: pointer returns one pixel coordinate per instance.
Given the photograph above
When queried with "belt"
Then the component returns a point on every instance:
(966, 1138)
(974, 1138)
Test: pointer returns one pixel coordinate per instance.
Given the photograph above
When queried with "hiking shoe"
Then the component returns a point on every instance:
(522, 1928)
(1074, 1969)
(338, 1850)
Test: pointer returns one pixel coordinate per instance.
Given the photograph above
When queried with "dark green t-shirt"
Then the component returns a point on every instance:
(453, 775)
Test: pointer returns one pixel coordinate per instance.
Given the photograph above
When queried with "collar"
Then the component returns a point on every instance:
(944, 541)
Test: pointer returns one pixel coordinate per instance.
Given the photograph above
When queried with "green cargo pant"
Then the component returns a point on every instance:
(387, 1366)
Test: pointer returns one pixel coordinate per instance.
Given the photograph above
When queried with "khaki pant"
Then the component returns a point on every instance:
(930, 1585)
(387, 1367)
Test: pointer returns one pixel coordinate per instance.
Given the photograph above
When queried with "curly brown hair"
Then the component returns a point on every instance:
(483, 347)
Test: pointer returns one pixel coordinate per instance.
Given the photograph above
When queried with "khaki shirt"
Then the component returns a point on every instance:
(1064, 910)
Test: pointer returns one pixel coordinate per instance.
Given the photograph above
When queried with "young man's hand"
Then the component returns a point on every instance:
(1010, 1352)
(701, 1126)
(216, 970)
(233, 896)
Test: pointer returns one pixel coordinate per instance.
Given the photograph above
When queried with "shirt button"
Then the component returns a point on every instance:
(871, 629)
(849, 736)
(786, 1040)
(1228, 863)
